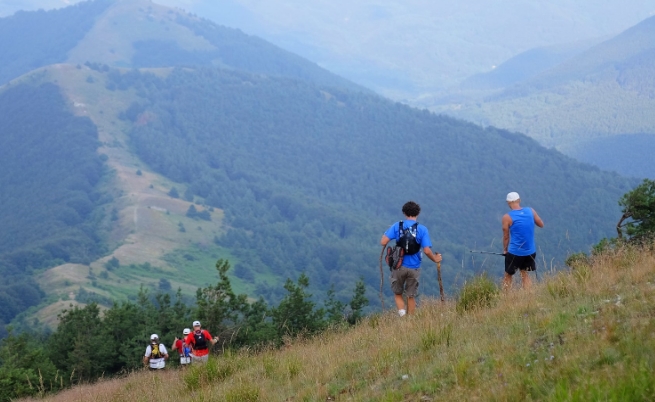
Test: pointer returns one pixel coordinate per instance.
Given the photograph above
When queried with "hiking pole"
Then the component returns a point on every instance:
(443, 299)
(487, 252)
(382, 278)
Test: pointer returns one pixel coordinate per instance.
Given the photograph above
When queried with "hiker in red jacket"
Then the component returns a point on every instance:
(182, 348)
(200, 340)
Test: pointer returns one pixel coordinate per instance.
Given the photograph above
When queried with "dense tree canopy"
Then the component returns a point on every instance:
(30, 40)
(49, 170)
(309, 177)
(638, 207)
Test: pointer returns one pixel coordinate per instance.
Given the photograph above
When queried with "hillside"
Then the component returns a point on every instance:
(262, 162)
(306, 170)
(581, 102)
(584, 334)
(139, 33)
(51, 205)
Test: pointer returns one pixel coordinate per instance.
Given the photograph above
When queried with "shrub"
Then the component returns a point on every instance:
(480, 292)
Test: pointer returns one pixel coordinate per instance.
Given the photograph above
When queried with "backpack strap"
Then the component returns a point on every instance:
(401, 230)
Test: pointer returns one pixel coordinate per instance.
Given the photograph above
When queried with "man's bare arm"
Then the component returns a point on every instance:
(384, 240)
(507, 222)
(436, 257)
(537, 219)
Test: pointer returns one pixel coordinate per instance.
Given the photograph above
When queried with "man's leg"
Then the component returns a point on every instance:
(400, 303)
(507, 282)
(525, 279)
(398, 288)
(411, 305)
(411, 287)
(510, 270)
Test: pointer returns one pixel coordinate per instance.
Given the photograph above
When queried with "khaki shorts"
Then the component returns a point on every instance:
(405, 280)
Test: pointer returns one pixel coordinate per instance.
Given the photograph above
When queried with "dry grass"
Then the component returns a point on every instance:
(582, 335)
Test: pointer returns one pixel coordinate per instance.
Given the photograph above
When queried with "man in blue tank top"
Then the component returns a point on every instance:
(406, 278)
(518, 240)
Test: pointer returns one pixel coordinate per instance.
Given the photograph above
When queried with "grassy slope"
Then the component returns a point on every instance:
(581, 335)
(147, 228)
(110, 40)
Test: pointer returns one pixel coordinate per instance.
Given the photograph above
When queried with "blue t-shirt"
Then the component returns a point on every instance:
(422, 237)
(521, 232)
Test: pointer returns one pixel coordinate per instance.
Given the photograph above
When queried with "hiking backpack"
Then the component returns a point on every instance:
(407, 240)
(405, 245)
(200, 341)
(155, 353)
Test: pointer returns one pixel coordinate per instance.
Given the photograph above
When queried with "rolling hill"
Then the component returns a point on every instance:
(288, 168)
(409, 50)
(578, 104)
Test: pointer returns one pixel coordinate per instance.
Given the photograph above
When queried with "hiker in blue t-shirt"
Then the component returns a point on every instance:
(518, 241)
(406, 278)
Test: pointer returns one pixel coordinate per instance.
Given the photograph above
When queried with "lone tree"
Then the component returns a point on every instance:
(638, 219)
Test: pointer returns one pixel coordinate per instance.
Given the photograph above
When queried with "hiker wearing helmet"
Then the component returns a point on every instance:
(416, 240)
(183, 349)
(156, 354)
(518, 240)
(200, 340)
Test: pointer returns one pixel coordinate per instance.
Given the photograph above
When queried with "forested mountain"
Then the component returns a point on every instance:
(49, 171)
(139, 33)
(607, 90)
(310, 177)
(526, 65)
(249, 153)
(29, 40)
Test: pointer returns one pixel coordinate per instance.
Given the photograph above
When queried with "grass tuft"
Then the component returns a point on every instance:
(478, 293)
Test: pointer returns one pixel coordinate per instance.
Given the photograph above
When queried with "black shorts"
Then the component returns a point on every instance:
(523, 263)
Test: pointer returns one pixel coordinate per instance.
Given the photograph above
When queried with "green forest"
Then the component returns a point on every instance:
(29, 40)
(310, 177)
(91, 342)
(49, 175)
(235, 50)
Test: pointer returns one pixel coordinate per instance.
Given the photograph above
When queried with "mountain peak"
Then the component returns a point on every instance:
(125, 22)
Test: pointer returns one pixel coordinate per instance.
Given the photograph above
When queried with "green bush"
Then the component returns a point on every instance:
(479, 292)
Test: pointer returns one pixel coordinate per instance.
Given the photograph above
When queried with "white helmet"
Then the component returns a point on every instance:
(186, 331)
(154, 337)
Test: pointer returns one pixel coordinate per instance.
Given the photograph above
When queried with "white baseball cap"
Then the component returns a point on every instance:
(186, 331)
(196, 323)
(153, 337)
(513, 196)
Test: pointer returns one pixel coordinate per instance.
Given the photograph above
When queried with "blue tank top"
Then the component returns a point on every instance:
(521, 232)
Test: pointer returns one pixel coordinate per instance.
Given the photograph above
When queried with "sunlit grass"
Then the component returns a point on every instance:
(574, 336)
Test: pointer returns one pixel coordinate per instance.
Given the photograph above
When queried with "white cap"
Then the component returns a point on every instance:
(186, 331)
(196, 323)
(153, 337)
(513, 196)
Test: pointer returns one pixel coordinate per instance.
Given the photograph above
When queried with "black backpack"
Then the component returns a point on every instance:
(200, 340)
(407, 239)
(406, 245)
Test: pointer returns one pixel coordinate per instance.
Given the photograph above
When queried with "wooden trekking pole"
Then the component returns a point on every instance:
(443, 299)
(381, 278)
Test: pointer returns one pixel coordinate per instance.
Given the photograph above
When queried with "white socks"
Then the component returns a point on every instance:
(401, 312)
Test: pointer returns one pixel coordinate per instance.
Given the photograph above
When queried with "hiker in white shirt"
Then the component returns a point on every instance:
(156, 354)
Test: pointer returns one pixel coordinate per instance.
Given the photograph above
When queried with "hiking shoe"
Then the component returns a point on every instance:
(401, 312)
